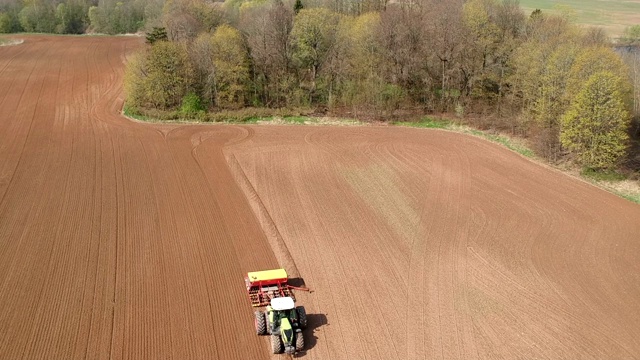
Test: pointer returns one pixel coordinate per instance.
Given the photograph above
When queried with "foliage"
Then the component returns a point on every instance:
(191, 104)
(9, 22)
(184, 19)
(160, 77)
(592, 60)
(428, 122)
(135, 82)
(313, 37)
(297, 6)
(594, 127)
(267, 28)
(38, 16)
(116, 17)
(157, 34)
(483, 59)
(231, 67)
(602, 175)
(72, 17)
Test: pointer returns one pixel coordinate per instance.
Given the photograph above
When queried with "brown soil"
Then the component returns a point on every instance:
(424, 244)
(117, 239)
(127, 240)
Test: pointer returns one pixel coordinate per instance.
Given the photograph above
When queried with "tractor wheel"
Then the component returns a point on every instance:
(276, 344)
(302, 317)
(299, 341)
(261, 326)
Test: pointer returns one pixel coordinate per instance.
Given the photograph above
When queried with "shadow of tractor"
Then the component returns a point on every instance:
(314, 322)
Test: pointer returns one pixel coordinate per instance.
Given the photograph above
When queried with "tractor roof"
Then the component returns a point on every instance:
(266, 275)
(282, 303)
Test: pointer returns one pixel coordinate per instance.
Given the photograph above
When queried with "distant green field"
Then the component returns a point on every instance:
(613, 15)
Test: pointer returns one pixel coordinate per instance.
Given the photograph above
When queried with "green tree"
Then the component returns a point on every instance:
(482, 41)
(135, 79)
(72, 17)
(6, 24)
(116, 17)
(297, 6)
(38, 16)
(592, 60)
(361, 81)
(231, 67)
(160, 77)
(313, 36)
(595, 126)
(9, 22)
(157, 34)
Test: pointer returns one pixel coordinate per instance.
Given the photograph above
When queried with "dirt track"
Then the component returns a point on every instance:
(127, 240)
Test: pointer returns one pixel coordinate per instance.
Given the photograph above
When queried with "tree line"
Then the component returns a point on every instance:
(537, 75)
(77, 16)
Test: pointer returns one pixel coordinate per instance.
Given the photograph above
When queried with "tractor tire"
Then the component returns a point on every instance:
(302, 317)
(261, 326)
(299, 341)
(276, 344)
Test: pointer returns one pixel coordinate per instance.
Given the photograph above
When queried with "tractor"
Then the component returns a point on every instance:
(281, 319)
(284, 322)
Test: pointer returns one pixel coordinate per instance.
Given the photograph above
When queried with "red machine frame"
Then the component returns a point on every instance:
(262, 291)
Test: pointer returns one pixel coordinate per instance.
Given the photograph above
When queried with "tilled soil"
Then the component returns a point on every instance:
(127, 240)
(117, 239)
(424, 244)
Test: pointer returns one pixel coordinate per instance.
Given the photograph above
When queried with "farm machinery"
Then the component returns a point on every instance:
(281, 318)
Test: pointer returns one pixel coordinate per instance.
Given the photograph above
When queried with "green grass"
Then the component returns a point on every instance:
(508, 143)
(633, 198)
(300, 120)
(438, 123)
(129, 113)
(612, 181)
(614, 15)
(602, 175)
(429, 123)
(297, 119)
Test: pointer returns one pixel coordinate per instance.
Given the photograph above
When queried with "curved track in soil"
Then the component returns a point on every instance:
(129, 241)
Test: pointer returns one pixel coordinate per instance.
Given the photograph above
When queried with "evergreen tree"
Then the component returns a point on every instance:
(157, 34)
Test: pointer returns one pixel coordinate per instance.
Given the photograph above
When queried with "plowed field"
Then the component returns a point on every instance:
(126, 240)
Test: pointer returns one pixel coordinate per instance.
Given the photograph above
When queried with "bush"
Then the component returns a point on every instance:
(191, 104)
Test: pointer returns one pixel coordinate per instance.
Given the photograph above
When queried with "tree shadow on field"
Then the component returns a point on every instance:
(314, 322)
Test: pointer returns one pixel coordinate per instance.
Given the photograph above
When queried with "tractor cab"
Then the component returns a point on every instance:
(279, 310)
(285, 324)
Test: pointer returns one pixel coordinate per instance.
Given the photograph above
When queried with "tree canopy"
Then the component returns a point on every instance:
(594, 128)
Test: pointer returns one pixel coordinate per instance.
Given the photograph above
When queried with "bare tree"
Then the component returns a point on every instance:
(267, 30)
(443, 22)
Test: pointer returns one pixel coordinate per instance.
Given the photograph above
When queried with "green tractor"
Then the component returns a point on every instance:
(284, 322)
